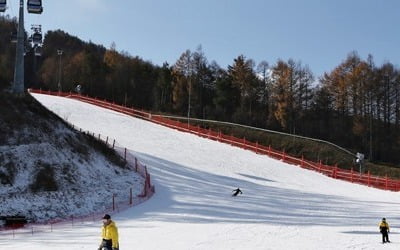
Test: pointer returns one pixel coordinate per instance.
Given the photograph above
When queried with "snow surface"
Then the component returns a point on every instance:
(282, 206)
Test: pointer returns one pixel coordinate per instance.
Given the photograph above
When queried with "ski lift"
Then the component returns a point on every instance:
(37, 38)
(3, 4)
(14, 37)
(35, 6)
(38, 51)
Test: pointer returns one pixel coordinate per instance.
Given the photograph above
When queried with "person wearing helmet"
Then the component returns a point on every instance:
(384, 229)
(109, 234)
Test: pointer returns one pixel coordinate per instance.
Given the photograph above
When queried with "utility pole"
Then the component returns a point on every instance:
(19, 77)
(190, 93)
(59, 52)
(189, 75)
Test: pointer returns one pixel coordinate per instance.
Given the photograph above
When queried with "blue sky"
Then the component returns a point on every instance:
(319, 33)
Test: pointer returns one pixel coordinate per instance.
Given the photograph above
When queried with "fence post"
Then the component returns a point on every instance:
(136, 164)
(113, 143)
(351, 176)
(107, 140)
(369, 178)
(113, 202)
(302, 161)
(337, 170)
(387, 181)
(283, 155)
(130, 197)
(125, 155)
(256, 147)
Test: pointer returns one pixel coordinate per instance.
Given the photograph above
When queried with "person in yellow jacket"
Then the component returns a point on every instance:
(109, 234)
(384, 229)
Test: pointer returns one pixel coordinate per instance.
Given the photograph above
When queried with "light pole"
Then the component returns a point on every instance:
(190, 93)
(189, 75)
(59, 53)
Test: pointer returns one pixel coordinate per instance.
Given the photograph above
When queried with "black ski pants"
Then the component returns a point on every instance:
(385, 236)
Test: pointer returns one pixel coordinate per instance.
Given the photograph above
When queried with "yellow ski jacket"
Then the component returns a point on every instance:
(110, 232)
(384, 226)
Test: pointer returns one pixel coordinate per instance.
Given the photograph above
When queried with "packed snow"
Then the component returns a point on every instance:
(282, 206)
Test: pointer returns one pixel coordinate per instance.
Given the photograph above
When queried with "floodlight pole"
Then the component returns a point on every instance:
(189, 75)
(18, 87)
(189, 101)
(59, 52)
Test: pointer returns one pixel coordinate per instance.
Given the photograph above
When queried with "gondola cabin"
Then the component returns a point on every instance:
(3, 5)
(35, 6)
(37, 38)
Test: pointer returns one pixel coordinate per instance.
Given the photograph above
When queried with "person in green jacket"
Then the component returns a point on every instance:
(109, 234)
(384, 229)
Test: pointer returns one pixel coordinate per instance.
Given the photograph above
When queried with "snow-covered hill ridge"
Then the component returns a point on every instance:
(50, 171)
(367, 179)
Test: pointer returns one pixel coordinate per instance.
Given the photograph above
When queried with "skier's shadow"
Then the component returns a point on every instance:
(366, 232)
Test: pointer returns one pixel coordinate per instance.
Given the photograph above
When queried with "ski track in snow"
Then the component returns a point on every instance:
(282, 206)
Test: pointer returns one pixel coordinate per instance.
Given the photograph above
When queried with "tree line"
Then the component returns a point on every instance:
(356, 105)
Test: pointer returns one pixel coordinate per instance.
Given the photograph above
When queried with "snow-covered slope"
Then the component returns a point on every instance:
(49, 171)
(282, 206)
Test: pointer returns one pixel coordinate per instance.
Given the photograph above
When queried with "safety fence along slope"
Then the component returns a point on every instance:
(115, 204)
(352, 176)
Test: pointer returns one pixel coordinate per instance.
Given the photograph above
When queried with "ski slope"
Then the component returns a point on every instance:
(282, 206)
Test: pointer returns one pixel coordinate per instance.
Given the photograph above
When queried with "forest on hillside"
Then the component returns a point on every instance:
(356, 105)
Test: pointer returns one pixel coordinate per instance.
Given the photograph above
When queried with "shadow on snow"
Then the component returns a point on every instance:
(192, 196)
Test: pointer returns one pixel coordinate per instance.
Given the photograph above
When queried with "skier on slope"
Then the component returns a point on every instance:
(384, 229)
(109, 234)
(236, 192)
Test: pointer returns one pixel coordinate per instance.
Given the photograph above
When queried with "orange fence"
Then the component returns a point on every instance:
(385, 183)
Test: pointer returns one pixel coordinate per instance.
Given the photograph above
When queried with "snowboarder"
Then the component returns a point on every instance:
(236, 192)
(109, 234)
(384, 229)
